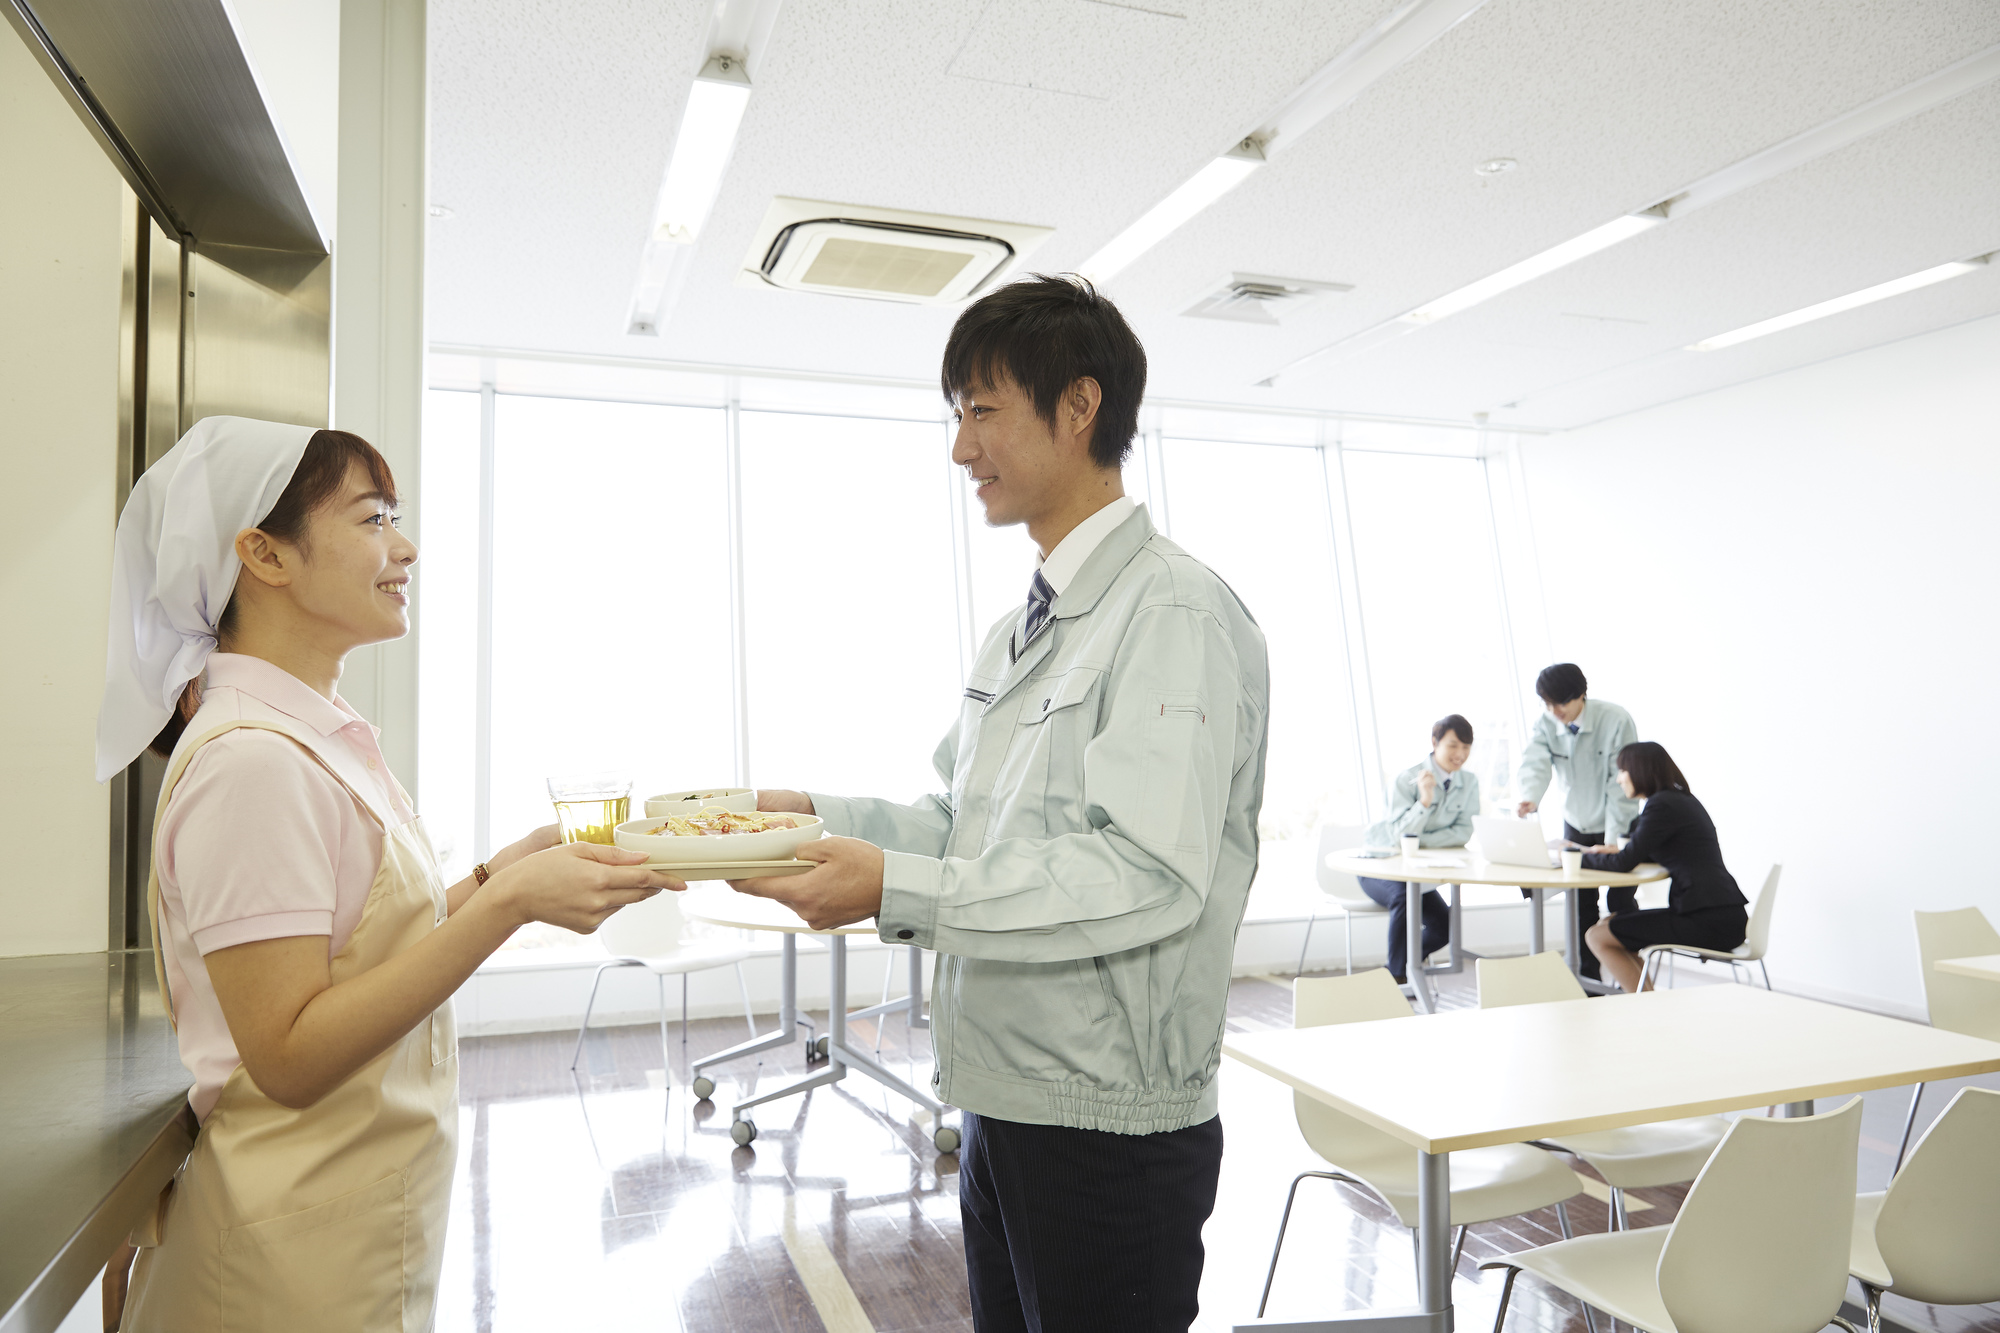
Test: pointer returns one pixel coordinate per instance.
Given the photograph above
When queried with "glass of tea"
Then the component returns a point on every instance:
(591, 806)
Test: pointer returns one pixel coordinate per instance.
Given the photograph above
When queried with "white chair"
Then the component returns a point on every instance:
(1760, 1245)
(1338, 889)
(1934, 1234)
(1756, 940)
(1956, 1004)
(652, 934)
(1666, 1152)
(1486, 1183)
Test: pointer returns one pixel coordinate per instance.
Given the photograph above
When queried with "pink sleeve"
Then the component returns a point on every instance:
(251, 839)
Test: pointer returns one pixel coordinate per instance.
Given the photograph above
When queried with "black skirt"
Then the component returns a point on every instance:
(1717, 928)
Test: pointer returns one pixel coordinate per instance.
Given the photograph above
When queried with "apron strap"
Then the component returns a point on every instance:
(175, 771)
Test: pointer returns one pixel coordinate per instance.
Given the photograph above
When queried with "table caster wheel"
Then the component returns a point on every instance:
(742, 1132)
(819, 1048)
(946, 1138)
(704, 1087)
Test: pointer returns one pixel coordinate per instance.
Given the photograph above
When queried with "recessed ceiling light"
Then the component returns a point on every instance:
(1494, 166)
(1866, 296)
(440, 211)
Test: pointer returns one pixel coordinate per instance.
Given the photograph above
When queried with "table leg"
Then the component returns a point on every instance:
(1573, 943)
(1536, 902)
(1413, 950)
(1792, 1110)
(1433, 1313)
(788, 1014)
(1457, 934)
(836, 1004)
(917, 1018)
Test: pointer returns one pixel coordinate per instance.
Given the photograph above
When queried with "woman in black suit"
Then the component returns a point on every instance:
(1704, 907)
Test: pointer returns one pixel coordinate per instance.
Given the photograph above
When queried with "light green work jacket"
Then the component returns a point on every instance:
(1588, 762)
(1084, 878)
(1447, 822)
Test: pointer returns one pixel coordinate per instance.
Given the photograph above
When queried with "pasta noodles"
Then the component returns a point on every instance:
(715, 822)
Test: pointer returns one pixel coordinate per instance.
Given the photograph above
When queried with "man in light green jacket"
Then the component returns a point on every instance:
(1083, 878)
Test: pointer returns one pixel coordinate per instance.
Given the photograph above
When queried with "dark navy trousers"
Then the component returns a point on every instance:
(1082, 1231)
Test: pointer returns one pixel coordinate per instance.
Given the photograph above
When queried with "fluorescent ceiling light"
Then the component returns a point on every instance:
(1548, 261)
(1934, 89)
(1407, 30)
(702, 148)
(1202, 189)
(1866, 296)
(701, 153)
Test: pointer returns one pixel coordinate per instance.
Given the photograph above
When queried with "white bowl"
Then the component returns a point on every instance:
(671, 849)
(738, 800)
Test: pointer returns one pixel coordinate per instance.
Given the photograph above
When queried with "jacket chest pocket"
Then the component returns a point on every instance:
(1038, 792)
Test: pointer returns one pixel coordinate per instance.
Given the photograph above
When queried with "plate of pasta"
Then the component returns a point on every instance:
(714, 835)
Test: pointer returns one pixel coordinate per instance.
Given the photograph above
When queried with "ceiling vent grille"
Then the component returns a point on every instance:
(1253, 298)
(882, 254)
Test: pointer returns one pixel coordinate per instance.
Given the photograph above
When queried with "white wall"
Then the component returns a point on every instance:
(1791, 585)
(60, 268)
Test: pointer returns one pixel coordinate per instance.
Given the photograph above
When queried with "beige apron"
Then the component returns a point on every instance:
(332, 1217)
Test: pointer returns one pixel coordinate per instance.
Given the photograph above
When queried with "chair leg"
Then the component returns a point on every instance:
(1291, 1196)
(1347, 939)
(1590, 1318)
(1562, 1221)
(743, 989)
(1767, 973)
(1306, 943)
(588, 1005)
(666, 1057)
(1874, 1295)
(1618, 1222)
(1909, 1123)
(1458, 1248)
(1506, 1293)
(684, 1016)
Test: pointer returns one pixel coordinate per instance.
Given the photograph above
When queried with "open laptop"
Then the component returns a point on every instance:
(1508, 841)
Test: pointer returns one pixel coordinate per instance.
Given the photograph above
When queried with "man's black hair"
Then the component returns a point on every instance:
(1454, 723)
(1045, 333)
(1561, 683)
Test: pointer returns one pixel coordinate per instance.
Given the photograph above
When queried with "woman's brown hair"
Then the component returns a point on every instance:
(1651, 768)
(315, 483)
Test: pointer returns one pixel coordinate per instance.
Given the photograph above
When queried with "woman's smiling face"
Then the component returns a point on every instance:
(353, 573)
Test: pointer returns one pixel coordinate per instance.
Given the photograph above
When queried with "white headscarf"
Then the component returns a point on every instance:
(174, 564)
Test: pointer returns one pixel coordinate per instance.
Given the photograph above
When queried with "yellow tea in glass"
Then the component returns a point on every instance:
(590, 808)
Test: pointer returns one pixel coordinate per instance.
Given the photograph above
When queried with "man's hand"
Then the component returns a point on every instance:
(845, 887)
(1524, 809)
(1426, 789)
(778, 801)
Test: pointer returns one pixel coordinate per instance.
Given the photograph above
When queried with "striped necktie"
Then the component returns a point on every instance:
(1040, 594)
(1573, 728)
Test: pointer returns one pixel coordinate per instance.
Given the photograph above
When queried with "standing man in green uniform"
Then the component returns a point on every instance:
(1580, 737)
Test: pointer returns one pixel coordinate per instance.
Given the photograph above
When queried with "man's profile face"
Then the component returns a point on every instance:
(1017, 467)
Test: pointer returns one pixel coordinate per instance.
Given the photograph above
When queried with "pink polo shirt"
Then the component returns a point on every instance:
(259, 842)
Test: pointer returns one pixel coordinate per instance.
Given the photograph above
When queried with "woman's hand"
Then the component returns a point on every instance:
(1600, 850)
(578, 885)
(543, 838)
(1426, 789)
(777, 801)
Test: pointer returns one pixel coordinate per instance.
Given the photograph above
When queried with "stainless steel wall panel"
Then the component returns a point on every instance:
(169, 92)
(259, 325)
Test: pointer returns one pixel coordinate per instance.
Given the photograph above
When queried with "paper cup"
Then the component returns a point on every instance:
(1572, 861)
(1409, 845)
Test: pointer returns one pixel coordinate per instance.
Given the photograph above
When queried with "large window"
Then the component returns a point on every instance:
(850, 602)
(809, 624)
(1423, 543)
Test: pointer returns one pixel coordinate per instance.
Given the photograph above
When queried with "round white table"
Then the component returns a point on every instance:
(1461, 865)
(742, 911)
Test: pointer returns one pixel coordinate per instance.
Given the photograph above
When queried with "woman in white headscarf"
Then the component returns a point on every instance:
(307, 946)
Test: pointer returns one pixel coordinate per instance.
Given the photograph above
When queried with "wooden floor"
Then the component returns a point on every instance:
(607, 1199)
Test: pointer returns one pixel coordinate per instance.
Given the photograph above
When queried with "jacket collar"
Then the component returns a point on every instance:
(1103, 566)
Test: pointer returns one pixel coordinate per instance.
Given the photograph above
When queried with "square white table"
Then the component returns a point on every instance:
(1473, 1078)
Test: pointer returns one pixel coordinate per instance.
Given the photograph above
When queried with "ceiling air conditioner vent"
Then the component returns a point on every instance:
(1252, 298)
(882, 254)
